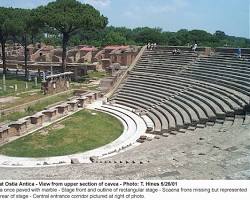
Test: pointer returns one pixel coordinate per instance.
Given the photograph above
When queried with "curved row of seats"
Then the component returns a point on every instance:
(177, 91)
(232, 100)
(226, 78)
(234, 74)
(224, 103)
(218, 67)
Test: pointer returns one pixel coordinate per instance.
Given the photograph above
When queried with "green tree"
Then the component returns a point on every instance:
(140, 36)
(68, 17)
(200, 36)
(6, 30)
(114, 38)
(220, 34)
(145, 35)
(183, 37)
(174, 41)
(27, 25)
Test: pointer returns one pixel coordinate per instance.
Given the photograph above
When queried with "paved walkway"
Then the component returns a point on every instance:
(134, 126)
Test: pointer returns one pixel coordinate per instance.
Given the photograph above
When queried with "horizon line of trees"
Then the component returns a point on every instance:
(143, 35)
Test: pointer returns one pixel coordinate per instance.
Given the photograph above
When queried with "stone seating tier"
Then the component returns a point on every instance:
(186, 89)
(151, 115)
(244, 99)
(166, 119)
(218, 101)
(199, 64)
(233, 83)
(142, 84)
(226, 74)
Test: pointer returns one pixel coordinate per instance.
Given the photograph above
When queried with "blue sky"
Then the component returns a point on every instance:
(230, 16)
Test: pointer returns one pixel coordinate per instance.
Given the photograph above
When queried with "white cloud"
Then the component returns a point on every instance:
(99, 3)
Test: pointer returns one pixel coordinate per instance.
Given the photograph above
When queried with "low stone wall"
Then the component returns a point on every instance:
(29, 123)
(232, 50)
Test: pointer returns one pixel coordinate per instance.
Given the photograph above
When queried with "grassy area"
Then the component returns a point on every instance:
(22, 99)
(81, 132)
(11, 80)
(27, 96)
(92, 87)
(35, 108)
(96, 74)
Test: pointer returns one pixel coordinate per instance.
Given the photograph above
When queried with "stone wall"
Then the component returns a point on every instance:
(49, 115)
(56, 83)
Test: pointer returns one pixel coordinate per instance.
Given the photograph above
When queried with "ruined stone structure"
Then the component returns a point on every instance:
(56, 83)
(124, 56)
(40, 54)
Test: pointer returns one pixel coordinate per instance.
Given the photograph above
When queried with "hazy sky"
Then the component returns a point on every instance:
(230, 16)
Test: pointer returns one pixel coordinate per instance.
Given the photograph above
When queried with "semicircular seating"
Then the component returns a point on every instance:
(178, 91)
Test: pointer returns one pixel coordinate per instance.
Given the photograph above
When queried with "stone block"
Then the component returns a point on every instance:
(73, 105)
(20, 126)
(75, 161)
(143, 137)
(37, 119)
(4, 133)
(50, 114)
(140, 140)
(93, 159)
(63, 109)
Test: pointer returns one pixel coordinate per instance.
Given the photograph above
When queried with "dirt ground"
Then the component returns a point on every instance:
(9, 99)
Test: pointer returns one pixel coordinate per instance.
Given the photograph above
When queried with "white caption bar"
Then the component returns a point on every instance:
(144, 189)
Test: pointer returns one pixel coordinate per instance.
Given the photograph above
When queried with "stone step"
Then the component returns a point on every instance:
(200, 125)
(191, 128)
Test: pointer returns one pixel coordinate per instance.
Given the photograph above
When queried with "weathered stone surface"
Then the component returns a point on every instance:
(93, 158)
(191, 128)
(210, 123)
(171, 173)
(143, 137)
(182, 130)
(140, 140)
(75, 161)
(174, 132)
(200, 125)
